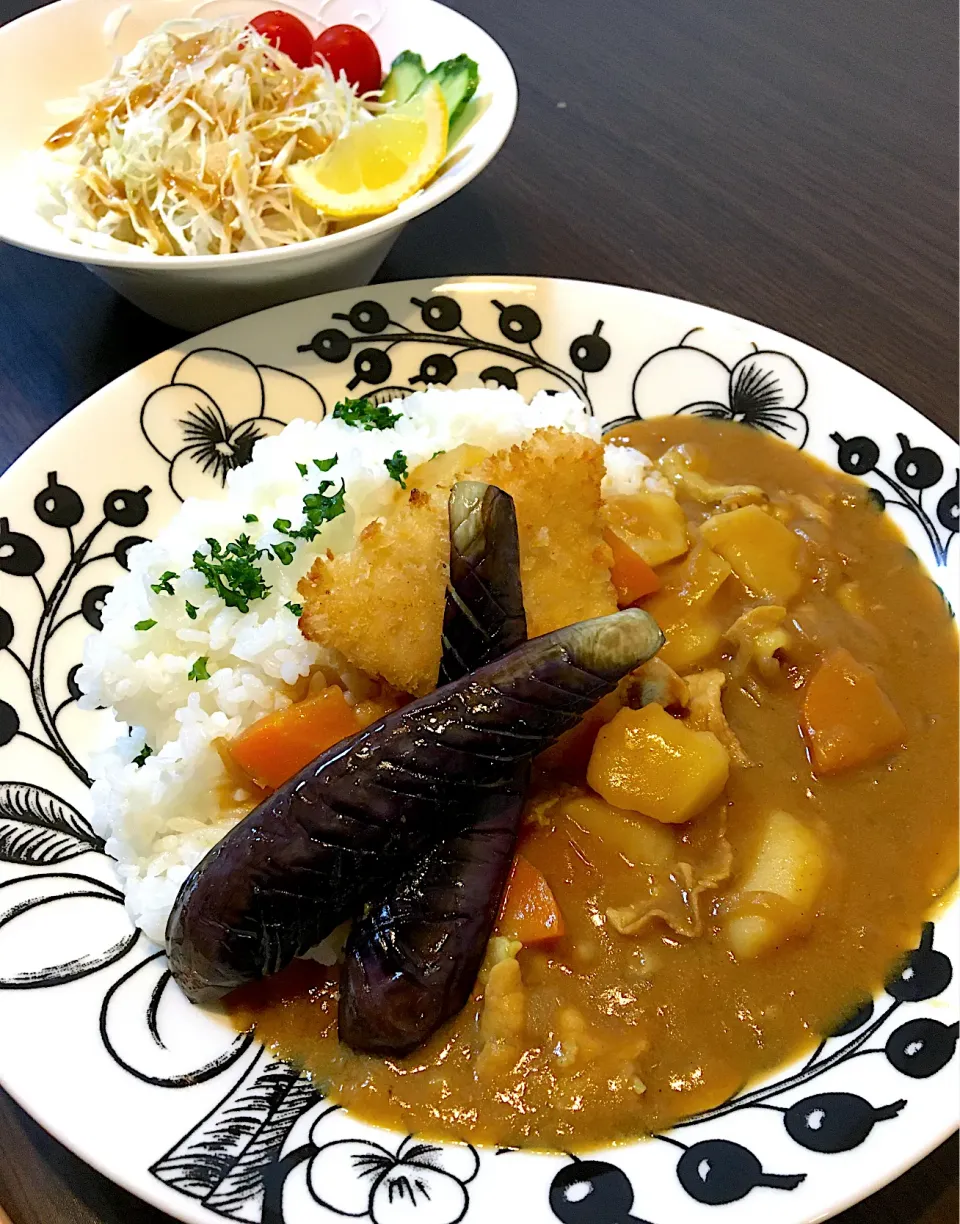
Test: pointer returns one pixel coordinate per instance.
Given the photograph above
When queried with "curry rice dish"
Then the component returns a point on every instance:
(710, 869)
(546, 789)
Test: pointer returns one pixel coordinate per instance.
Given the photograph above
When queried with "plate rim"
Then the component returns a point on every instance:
(511, 280)
(165, 1197)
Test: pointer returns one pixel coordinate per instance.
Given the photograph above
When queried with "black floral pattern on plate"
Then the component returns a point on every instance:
(205, 431)
(237, 1160)
(359, 1179)
(241, 1158)
(514, 352)
(916, 470)
(763, 389)
(60, 507)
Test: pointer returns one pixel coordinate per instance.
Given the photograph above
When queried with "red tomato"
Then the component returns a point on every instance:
(288, 34)
(348, 49)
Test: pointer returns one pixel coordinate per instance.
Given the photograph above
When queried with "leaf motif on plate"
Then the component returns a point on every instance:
(39, 829)
(140, 1031)
(223, 1160)
(35, 956)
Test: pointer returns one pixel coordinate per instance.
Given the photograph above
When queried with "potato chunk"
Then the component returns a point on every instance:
(444, 469)
(692, 633)
(680, 607)
(646, 761)
(764, 554)
(778, 895)
(848, 719)
(652, 524)
(697, 578)
(641, 841)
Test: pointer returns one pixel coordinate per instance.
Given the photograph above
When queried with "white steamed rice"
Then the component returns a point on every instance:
(160, 818)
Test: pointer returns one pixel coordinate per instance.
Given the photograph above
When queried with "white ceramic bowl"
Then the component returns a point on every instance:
(48, 54)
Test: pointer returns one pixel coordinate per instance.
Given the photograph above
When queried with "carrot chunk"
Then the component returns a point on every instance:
(847, 718)
(630, 574)
(529, 912)
(279, 745)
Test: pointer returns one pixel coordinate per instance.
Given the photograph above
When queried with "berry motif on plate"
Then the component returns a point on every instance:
(717, 1171)
(592, 1192)
(38, 828)
(204, 425)
(455, 350)
(763, 389)
(59, 507)
(916, 470)
(835, 1121)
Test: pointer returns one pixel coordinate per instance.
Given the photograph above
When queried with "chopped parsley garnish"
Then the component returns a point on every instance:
(233, 572)
(250, 518)
(435, 453)
(296, 609)
(396, 465)
(191, 609)
(320, 508)
(199, 670)
(302, 469)
(145, 751)
(364, 414)
(162, 585)
(143, 625)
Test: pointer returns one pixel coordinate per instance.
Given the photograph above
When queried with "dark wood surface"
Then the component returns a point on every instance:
(793, 163)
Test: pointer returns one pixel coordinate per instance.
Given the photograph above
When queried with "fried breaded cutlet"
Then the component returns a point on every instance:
(381, 604)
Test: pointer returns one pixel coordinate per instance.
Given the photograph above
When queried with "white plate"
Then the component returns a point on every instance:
(107, 1055)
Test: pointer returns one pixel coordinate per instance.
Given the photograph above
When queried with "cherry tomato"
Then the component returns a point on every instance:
(288, 34)
(350, 50)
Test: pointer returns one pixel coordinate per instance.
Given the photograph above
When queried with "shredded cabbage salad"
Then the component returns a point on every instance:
(182, 150)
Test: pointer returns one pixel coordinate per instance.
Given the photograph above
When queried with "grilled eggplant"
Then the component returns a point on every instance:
(365, 810)
(483, 618)
(413, 956)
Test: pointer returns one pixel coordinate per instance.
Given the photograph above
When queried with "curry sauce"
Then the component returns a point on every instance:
(654, 1004)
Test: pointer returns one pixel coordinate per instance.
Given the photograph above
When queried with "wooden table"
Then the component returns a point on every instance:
(793, 163)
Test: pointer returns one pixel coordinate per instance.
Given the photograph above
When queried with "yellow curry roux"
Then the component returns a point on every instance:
(624, 1034)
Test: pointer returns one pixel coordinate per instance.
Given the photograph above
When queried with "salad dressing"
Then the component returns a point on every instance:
(65, 133)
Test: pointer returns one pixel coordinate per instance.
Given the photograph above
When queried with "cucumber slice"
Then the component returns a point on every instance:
(458, 79)
(406, 74)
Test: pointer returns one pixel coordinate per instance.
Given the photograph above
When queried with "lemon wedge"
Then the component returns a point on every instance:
(376, 165)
